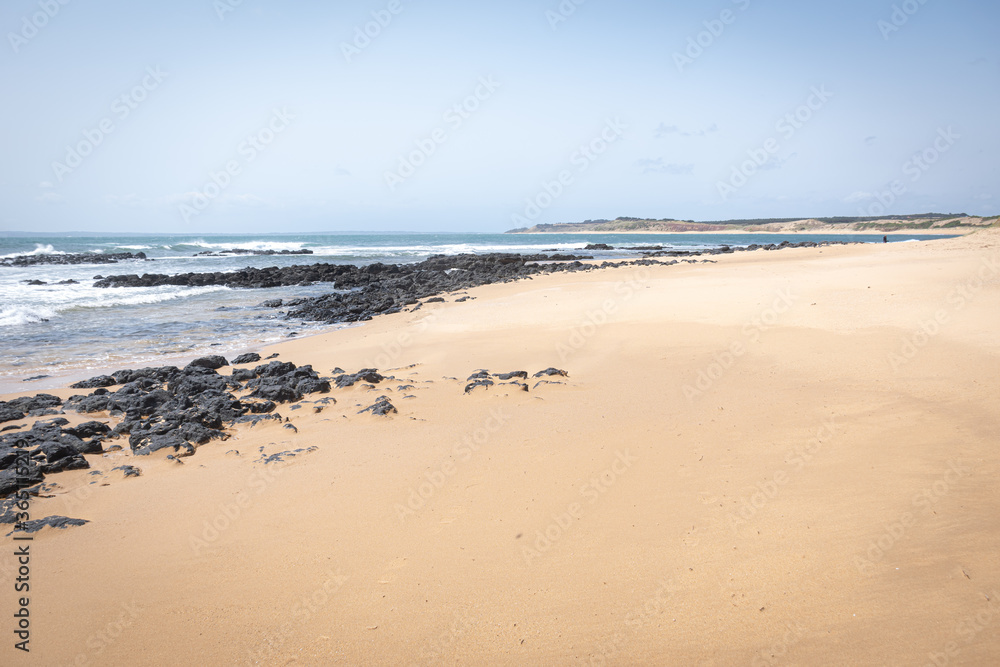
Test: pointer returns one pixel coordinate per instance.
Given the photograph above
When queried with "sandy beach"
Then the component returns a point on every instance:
(771, 458)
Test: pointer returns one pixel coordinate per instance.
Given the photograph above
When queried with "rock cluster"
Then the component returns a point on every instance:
(80, 258)
(28, 406)
(245, 251)
(49, 448)
(484, 378)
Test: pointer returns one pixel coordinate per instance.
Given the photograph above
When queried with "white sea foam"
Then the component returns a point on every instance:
(50, 301)
(249, 245)
(40, 249)
(444, 249)
(16, 315)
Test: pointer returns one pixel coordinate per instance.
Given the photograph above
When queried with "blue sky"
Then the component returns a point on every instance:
(223, 116)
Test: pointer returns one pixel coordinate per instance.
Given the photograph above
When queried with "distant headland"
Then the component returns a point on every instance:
(925, 222)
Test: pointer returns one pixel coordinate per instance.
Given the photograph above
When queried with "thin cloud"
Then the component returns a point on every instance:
(50, 198)
(663, 130)
(660, 166)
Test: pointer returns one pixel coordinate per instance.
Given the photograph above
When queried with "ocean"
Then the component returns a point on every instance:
(57, 330)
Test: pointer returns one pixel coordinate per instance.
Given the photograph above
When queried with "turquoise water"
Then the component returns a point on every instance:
(51, 329)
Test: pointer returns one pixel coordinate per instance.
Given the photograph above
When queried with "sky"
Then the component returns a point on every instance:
(422, 115)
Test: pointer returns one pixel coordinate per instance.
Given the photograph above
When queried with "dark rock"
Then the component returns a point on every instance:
(146, 445)
(36, 402)
(283, 382)
(36, 525)
(365, 374)
(88, 429)
(92, 403)
(274, 369)
(381, 407)
(262, 407)
(255, 419)
(277, 392)
(246, 251)
(478, 383)
(95, 382)
(129, 471)
(541, 382)
(242, 374)
(11, 482)
(82, 258)
(213, 362)
(281, 456)
(598, 246)
(9, 413)
(513, 374)
(248, 358)
(549, 372)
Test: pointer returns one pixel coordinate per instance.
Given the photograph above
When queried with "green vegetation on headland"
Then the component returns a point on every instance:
(887, 223)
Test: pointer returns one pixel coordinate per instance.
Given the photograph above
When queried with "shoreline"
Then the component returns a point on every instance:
(650, 485)
(337, 307)
(909, 232)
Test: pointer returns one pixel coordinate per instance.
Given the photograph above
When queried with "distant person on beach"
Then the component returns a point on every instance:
(885, 239)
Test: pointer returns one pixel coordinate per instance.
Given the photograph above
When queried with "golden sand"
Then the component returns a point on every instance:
(773, 458)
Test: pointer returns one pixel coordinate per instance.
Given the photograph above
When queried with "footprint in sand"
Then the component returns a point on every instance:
(691, 538)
